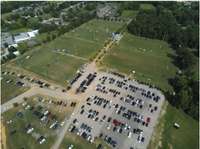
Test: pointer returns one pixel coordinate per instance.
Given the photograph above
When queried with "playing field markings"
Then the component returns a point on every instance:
(71, 55)
(73, 37)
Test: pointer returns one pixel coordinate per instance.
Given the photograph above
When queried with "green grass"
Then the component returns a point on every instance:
(78, 47)
(186, 136)
(96, 31)
(80, 143)
(20, 30)
(10, 90)
(5, 15)
(129, 14)
(148, 58)
(50, 65)
(21, 138)
(147, 6)
(84, 41)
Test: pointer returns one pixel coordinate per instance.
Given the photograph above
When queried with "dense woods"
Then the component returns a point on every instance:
(178, 24)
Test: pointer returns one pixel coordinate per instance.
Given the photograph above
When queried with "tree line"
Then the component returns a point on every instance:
(178, 24)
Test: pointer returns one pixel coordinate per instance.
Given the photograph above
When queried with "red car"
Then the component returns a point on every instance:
(148, 119)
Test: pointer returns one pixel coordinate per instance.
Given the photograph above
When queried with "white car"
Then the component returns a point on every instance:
(109, 126)
(30, 130)
(52, 125)
(46, 112)
(62, 123)
(42, 141)
(24, 104)
(71, 146)
(129, 134)
(27, 107)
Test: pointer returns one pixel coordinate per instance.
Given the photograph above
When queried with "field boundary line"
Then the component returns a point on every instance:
(71, 55)
(86, 40)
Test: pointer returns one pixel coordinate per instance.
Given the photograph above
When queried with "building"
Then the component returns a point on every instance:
(25, 36)
(7, 39)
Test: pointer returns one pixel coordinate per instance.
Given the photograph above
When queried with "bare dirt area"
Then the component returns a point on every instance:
(156, 139)
(3, 136)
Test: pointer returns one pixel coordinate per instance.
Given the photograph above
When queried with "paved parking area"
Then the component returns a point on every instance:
(120, 111)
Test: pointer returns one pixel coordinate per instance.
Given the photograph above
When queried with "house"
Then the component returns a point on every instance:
(7, 38)
(56, 21)
(106, 11)
(21, 37)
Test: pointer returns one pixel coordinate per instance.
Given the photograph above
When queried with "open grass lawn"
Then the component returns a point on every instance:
(146, 6)
(129, 14)
(21, 139)
(166, 136)
(148, 58)
(50, 65)
(20, 30)
(186, 137)
(10, 90)
(80, 143)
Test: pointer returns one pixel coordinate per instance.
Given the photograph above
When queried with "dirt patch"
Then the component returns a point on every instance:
(156, 139)
(170, 146)
(3, 136)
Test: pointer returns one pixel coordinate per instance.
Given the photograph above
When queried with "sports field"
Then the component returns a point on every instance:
(148, 58)
(51, 65)
(85, 40)
(79, 44)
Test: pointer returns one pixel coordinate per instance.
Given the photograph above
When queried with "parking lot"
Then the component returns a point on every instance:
(120, 111)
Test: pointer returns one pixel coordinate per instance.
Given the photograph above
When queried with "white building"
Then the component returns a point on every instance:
(25, 36)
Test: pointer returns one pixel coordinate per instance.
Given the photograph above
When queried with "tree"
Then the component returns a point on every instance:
(5, 45)
(185, 58)
(12, 49)
(185, 98)
(48, 38)
(22, 48)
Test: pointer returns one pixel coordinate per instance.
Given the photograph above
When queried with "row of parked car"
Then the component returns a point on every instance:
(83, 131)
(86, 82)
(27, 78)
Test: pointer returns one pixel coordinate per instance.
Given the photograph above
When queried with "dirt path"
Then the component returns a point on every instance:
(3, 136)
(156, 139)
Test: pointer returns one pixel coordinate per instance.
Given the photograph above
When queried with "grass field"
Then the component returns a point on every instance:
(10, 90)
(83, 41)
(20, 139)
(148, 58)
(129, 14)
(50, 65)
(185, 137)
(146, 6)
(80, 143)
